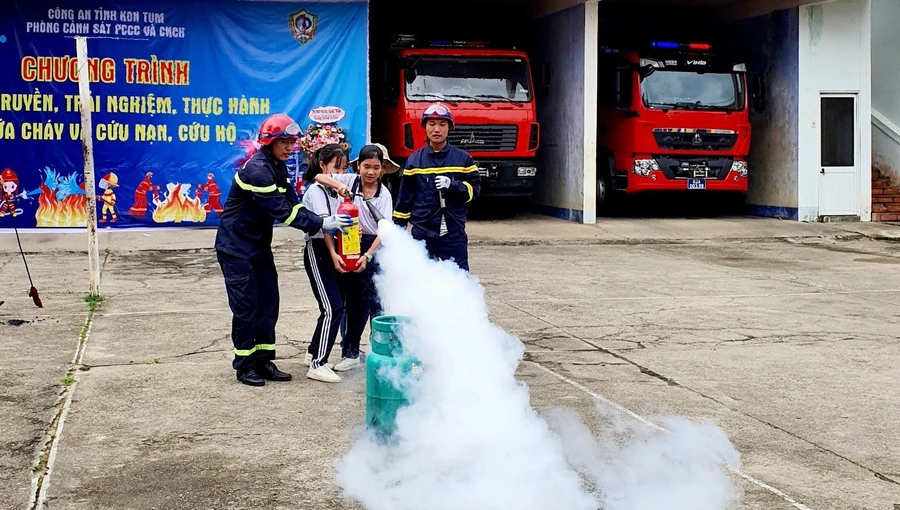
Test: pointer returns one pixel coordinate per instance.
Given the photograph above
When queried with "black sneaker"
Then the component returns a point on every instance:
(270, 372)
(251, 377)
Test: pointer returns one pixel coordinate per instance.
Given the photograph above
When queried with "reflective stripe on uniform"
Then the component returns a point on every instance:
(402, 216)
(293, 215)
(282, 190)
(441, 170)
(255, 189)
(470, 190)
(257, 347)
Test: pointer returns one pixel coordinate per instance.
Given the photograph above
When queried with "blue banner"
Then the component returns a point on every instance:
(179, 90)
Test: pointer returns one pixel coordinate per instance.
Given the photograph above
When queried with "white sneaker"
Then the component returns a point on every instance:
(308, 360)
(324, 374)
(347, 364)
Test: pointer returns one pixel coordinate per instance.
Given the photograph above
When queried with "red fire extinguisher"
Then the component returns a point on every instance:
(349, 244)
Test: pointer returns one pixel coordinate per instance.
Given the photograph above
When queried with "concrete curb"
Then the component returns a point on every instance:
(525, 242)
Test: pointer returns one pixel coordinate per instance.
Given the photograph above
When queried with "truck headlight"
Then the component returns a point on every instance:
(643, 167)
(740, 167)
(526, 171)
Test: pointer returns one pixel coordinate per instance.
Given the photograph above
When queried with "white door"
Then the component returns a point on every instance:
(839, 155)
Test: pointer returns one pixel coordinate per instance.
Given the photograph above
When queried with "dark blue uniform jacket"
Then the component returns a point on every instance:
(418, 201)
(262, 192)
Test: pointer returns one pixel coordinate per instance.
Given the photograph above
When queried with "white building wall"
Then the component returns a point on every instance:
(834, 56)
(885, 82)
(566, 111)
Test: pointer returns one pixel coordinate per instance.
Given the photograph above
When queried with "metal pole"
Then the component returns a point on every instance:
(87, 144)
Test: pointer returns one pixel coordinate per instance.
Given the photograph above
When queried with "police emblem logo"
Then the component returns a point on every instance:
(304, 25)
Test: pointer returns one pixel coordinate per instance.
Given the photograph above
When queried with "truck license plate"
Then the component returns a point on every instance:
(696, 184)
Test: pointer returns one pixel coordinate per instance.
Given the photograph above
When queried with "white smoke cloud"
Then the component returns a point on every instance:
(470, 440)
(631, 466)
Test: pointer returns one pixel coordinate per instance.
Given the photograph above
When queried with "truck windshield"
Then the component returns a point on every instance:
(482, 79)
(689, 90)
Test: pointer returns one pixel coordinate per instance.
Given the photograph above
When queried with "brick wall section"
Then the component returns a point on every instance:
(885, 198)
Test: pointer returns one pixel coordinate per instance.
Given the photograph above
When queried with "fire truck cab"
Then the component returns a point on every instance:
(673, 117)
(492, 97)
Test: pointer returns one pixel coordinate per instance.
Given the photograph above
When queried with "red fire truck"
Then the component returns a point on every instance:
(673, 116)
(491, 94)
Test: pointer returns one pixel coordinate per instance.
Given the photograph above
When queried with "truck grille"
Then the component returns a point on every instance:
(695, 139)
(685, 167)
(484, 138)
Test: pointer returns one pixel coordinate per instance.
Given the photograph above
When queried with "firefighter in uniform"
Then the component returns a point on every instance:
(261, 193)
(438, 181)
(107, 183)
(213, 202)
(9, 196)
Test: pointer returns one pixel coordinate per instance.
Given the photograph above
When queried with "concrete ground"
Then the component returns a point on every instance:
(781, 333)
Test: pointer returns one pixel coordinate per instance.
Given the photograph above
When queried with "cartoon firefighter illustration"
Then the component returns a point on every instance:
(10, 186)
(108, 182)
(139, 209)
(215, 193)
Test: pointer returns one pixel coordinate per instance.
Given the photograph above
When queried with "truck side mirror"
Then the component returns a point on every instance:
(621, 88)
(757, 93)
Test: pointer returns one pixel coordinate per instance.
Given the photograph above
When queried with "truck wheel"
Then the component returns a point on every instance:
(602, 190)
(605, 192)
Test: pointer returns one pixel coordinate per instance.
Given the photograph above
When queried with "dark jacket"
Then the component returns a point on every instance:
(262, 192)
(418, 201)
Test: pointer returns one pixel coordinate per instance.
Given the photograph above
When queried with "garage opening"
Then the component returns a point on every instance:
(544, 138)
(675, 101)
(471, 58)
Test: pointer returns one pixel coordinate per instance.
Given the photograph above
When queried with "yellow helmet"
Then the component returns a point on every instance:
(109, 180)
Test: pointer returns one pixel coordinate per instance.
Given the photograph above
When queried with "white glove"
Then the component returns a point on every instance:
(334, 224)
(442, 182)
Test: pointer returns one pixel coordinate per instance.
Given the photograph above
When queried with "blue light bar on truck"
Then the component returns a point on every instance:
(670, 45)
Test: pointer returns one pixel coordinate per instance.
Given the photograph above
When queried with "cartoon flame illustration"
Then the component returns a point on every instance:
(178, 206)
(62, 201)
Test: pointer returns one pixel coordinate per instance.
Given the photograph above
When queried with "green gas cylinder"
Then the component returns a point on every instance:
(386, 386)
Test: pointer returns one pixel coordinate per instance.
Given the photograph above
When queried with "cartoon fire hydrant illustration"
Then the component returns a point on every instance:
(215, 194)
(139, 209)
(10, 185)
(108, 182)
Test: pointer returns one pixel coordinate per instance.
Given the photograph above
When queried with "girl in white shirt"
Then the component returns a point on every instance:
(318, 262)
(360, 298)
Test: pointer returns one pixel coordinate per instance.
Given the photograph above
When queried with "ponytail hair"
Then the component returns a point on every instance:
(320, 157)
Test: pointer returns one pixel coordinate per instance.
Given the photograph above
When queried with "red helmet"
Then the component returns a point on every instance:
(10, 176)
(278, 126)
(437, 111)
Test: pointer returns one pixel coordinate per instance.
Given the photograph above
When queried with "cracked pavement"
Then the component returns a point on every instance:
(790, 346)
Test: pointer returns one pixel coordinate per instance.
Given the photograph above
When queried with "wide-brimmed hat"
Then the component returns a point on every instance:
(389, 166)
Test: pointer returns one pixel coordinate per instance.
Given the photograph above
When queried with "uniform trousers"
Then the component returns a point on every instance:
(252, 288)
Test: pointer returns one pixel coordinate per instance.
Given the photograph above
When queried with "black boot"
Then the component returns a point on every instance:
(250, 376)
(270, 372)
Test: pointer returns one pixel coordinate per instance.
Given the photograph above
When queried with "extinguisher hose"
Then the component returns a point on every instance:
(376, 214)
